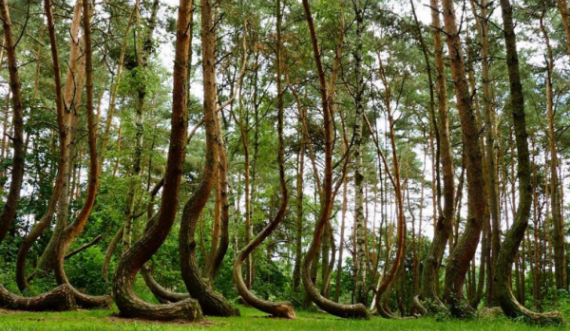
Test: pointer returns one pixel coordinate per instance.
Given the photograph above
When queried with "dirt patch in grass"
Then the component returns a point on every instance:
(118, 319)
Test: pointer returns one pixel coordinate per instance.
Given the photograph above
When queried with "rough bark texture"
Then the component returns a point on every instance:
(346, 311)
(134, 259)
(211, 302)
(467, 244)
(59, 299)
(360, 220)
(515, 235)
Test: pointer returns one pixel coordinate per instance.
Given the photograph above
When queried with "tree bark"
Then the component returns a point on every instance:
(45, 221)
(74, 82)
(490, 172)
(443, 229)
(513, 238)
(346, 311)
(211, 302)
(134, 182)
(299, 210)
(467, 244)
(555, 188)
(134, 259)
(361, 263)
(9, 210)
(282, 309)
(59, 298)
(160, 293)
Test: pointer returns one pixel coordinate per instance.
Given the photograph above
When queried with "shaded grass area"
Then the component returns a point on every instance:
(100, 320)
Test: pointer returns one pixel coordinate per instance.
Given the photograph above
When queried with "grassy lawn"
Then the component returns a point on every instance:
(251, 320)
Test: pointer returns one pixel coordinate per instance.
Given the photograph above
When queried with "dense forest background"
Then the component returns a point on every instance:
(369, 157)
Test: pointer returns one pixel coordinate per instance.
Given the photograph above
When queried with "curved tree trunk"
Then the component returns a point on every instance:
(160, 293)
(46, 219)
(395, 178)
(79, 223)
(509, 249)
(224, 232)
(211, 302)
(60, 298)
(464, 251)
(282, 309)
(346, 311)
(74, 82)
(432, 262)
(135, 258)
(110, 251)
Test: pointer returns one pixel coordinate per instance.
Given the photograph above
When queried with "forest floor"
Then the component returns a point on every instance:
(103, 320)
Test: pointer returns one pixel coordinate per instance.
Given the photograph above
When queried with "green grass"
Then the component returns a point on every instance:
(99, 320)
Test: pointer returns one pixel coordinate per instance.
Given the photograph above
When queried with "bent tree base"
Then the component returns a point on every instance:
(133, 307)
(512, 308)
(160, 293)
(59, 299)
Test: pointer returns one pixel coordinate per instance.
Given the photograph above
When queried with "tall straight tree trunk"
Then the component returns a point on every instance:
(515, 235)
(9, 210)
(491, 176)
(341, 246)
(467, 244)
(142, 66)
(299, 213)
(555, 188)
(134, 259)
(361, 288)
